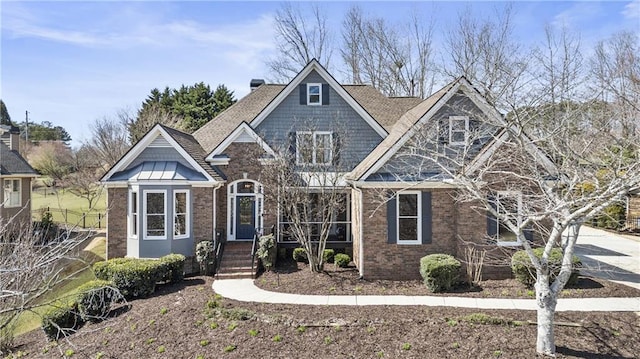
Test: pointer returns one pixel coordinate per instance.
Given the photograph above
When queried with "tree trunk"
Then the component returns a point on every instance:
(546, 301)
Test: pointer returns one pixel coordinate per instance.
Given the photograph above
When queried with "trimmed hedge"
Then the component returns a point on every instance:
(175, 268)
(61, 320)
(525, 273)
(95, 298)
(300, 255)
(342, 260)
(328, 255)
(439, 271)
(138, 277)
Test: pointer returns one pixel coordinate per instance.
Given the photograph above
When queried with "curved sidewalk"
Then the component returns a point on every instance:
(245, 290)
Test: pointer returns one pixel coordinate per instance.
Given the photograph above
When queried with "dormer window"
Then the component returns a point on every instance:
(314, 94)
(458, 130)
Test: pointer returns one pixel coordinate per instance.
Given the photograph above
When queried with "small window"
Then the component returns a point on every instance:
(458, 130)
(155, 206)
(314, 94)
(133, 214)
(12, 193)
(314, 148)
(409, 212)
(509, 206)
(181, 214)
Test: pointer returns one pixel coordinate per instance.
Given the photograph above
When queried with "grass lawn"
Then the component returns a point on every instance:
(67, 207)
(93, 252)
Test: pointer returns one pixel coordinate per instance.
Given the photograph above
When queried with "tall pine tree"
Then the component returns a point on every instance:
(5, 119)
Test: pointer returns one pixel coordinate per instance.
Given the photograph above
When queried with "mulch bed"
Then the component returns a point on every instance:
(186, 320)
(294, 277)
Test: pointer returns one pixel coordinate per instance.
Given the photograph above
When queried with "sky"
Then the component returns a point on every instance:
(73, 62)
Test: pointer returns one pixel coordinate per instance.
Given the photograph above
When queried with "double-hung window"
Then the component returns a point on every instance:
(458, 130)
(409, 212)
(509, 207)
(155, 217)
(314, 147)
(133, 214)
(12, 193)
(314, 94)
(180, 214)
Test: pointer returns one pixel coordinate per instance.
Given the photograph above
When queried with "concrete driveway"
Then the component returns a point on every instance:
(609, 256)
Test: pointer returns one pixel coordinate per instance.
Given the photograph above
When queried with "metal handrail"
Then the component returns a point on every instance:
(218, 247)
(254, 251)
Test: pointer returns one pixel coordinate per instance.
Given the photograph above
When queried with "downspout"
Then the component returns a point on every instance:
(360, 232)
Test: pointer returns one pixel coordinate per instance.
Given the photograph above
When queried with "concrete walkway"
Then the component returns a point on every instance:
(246, 291)
(609, 256)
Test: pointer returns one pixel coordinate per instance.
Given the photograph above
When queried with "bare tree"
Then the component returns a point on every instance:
(51, 158)
(30, 266)
(309, 190)
(394, 59)
(485, 52)
(84, 183)
(299, 39)
(108, 142)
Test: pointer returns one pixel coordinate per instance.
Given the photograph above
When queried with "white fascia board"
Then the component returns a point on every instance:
(407, 135)
(314, 65)
(242, 128)
(18, 175)
(144, 143)
(315, 179)
(446, 184)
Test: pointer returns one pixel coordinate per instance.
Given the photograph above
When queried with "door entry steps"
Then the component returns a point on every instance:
(236, 261)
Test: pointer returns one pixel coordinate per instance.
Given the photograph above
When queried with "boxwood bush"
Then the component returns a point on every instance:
(95, 298)
(133, 277)
(300, 255)
(61, 320)
(525, 273)
(439, 271)
(328, 255)
(342, 260)
(174, 271)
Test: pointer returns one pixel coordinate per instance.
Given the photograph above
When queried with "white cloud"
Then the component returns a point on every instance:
(632, 10)
(576, 15)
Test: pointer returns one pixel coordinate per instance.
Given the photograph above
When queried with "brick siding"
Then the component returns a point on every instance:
(117, 222)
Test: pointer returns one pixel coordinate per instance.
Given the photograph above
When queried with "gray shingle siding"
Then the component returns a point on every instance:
(405, 166)
(151, 154)
(357, 137)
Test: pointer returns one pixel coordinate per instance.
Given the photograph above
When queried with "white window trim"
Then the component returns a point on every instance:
(319, 103)
(418, 240)
(453, 119)
(232, 194)
(187, 216)
(7, 200)
(517, 194)
(131, 225)
(144, 211)
(314, 136)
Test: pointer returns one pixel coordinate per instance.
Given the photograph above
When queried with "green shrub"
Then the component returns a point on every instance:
(342, 260)
(328, 255)
(525, 273)
(174, 271)
(133, 277)
(95, 298)
(439, 271)
(267, 251)
(300, 255)
(612, 217)
(61, 320)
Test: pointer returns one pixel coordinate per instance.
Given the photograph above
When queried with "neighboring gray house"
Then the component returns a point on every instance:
(16, 177)
(172, 190)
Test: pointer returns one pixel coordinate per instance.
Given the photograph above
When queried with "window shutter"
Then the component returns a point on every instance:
(492, 223)
(336, 149)
(528, 234)
(325, 94)
(426, 218)
(292, 145)
(303, 94)
(392, 221)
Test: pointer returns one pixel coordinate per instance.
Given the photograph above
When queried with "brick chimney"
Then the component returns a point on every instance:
(14, 138)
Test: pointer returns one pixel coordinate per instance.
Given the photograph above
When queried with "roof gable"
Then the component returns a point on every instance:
(162, 136)
(243, 133)
(313, 65)
(12, 163)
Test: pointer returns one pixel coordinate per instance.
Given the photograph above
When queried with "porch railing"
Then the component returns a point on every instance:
(218, 247)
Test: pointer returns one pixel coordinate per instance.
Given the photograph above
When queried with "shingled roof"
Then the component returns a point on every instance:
(193, 148)
(11, 163)
(385, 110)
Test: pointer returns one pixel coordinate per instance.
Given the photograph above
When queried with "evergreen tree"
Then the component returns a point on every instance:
(5, 119)
(223, 98)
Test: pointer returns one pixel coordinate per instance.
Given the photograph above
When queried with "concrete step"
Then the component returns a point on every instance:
(236, 275)
(235, 269)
